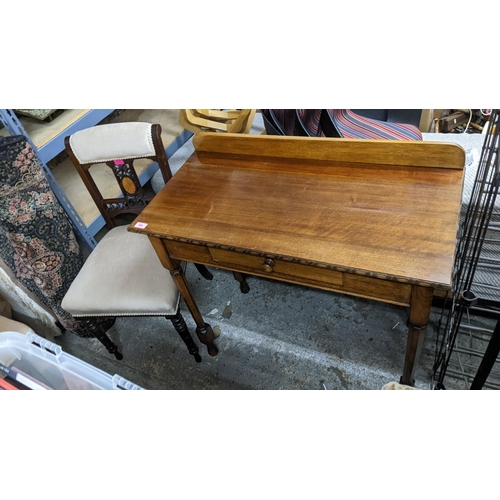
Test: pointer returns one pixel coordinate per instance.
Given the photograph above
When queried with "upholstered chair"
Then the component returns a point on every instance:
(123, 275)
(217, 120)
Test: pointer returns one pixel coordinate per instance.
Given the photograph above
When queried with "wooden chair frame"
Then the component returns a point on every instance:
(133, 201)
(215, 120)
(134, 198)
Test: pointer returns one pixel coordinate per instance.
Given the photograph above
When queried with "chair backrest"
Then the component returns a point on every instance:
(243, 123)
(117, 146)
(374, 114)
(327, 124)
(217, 120)
(353, 126)
(365, 123)
(282, 120)
(308, 122)
(196, 122)
(272, 128)
(410, 116)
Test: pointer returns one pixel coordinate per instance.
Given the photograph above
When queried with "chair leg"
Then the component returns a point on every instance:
(242, 278)
(96, 330)
(182, 329)
(204, 272)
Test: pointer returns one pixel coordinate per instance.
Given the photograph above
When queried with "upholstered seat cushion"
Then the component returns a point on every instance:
(122, 277)
(354, 126)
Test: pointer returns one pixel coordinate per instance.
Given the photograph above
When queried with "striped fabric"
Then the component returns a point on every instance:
(353, 126)
(285, 118)
(309, 119)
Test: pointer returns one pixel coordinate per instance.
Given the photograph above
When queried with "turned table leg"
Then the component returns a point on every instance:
(420, 310)
(203, 330)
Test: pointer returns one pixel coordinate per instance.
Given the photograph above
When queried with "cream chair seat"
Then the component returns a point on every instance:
(119, 284)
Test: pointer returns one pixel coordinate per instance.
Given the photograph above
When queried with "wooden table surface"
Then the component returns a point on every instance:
(394, 221)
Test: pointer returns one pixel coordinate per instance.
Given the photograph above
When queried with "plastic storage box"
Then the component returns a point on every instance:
(46, 363)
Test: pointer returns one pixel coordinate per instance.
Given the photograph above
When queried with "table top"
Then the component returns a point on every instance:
(387, 209)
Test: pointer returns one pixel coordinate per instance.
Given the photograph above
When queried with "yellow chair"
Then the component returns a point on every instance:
(217, 120)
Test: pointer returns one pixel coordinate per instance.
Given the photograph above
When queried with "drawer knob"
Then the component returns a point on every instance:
(268, 265)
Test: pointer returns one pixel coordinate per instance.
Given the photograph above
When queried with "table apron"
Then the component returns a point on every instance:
(302, 274)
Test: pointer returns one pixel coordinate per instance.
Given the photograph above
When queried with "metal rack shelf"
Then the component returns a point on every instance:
(469, 328)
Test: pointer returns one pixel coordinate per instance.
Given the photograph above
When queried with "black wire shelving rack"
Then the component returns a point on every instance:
(468, 330)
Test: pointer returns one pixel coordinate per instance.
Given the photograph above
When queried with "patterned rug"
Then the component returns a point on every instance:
(37, 242)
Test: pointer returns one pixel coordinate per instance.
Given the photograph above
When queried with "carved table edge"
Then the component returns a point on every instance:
(297, 260)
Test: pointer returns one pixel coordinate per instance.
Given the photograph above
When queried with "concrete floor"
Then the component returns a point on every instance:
(278, 336)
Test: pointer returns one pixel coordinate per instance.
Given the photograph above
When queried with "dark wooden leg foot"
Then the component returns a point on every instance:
(182, 330)
(107, 323)
(204, 272)
(242, 278)
(207, 337)
(93, 326)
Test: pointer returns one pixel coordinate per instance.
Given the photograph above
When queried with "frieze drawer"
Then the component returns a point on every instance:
(361, 286)
(279, 268)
